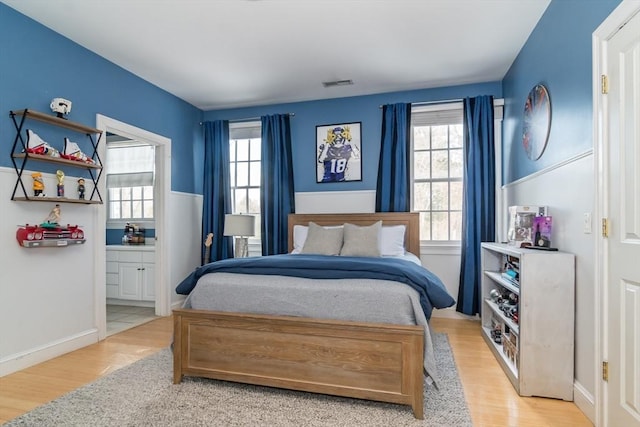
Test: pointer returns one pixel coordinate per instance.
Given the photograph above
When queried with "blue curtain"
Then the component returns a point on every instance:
(393, 188)
(217, 188)
(478, 203)
(277, 191)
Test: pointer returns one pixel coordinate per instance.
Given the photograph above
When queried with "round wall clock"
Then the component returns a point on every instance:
(537, 122)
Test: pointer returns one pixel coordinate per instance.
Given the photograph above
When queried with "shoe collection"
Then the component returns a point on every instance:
(72, 152)
(36, 145)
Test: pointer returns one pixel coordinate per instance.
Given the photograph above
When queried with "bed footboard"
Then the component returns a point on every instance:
(361, 360)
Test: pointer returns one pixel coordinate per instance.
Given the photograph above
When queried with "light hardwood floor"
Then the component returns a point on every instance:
(491, 398)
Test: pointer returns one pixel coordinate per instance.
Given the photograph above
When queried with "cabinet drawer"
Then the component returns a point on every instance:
(112, 267)
(113, 278)
(112, 255)
(130, 256)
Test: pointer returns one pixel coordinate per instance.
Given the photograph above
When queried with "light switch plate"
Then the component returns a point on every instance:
(586, 223)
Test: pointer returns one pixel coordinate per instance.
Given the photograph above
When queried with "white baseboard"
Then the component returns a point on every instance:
(584, 401)
(130, 303)
(16, 362)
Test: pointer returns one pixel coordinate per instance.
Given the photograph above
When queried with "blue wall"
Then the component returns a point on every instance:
(558, 55)
(38, 64)
(365, 109)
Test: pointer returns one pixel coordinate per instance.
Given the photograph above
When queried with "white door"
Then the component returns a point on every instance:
(148, 282)
(130, 281)
(622, 282)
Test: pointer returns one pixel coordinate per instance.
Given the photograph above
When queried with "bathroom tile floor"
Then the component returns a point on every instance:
(123, 317)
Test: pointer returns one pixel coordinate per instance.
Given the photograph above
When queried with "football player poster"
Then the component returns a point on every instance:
(338, 152)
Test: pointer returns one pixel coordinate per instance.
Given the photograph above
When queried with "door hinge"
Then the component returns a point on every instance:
(604, 84)
(605, 371)
(605, 227)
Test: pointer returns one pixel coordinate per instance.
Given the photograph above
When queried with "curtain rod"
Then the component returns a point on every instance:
(250, 119)
(443, 101)
(496, 101)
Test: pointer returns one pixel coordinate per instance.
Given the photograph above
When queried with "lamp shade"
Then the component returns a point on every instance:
(239, 225)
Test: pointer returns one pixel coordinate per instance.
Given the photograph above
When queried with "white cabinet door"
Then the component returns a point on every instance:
(130, 281)
(148, 282)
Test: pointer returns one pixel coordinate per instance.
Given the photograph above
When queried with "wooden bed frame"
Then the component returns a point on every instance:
(381, 362)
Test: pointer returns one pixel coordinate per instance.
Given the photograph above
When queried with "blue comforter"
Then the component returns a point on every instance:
(432, 291)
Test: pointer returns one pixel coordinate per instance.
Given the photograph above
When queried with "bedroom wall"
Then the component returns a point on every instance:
(47, 294)
(563, 178)
(364, 109)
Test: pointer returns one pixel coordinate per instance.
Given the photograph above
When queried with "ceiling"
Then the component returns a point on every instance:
(219, 54)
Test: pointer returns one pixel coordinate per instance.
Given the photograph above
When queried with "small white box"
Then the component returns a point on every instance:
(520, 231)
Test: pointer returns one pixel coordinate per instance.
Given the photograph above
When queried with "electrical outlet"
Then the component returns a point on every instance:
(586, 222)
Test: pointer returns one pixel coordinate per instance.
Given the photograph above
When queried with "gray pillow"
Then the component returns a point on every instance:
(361, 241)
(322, 241)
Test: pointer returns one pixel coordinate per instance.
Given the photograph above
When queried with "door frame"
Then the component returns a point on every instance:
(600, 39)
(163, 184)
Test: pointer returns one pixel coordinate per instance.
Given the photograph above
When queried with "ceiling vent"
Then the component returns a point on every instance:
(338, 83)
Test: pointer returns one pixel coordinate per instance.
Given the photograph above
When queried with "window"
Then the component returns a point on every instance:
(244, 154)
(130, 181)
(437, 168)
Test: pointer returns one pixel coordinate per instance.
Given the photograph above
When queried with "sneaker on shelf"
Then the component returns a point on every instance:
(72, 152)
(36, 145)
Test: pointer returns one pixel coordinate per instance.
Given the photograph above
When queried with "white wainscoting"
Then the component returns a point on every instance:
(185, 238)
(363, 201)
(568, 190)
(46, 294)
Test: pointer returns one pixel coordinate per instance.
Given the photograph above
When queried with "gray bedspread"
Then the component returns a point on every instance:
(365, 300)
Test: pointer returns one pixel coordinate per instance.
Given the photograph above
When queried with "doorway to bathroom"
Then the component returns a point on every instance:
(130, 232)
(132, 263)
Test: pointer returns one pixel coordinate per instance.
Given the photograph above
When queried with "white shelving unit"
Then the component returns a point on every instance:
(537, 350)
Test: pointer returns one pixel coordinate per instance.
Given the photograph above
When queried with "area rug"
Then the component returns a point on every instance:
(143, 394)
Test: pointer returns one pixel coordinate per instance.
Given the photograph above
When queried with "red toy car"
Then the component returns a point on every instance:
(49, 234)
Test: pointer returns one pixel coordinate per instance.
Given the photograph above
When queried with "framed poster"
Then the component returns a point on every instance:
(537, 122)
(338, 149)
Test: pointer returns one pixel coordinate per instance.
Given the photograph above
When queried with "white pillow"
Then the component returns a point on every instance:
(392, 240)
(299, 236)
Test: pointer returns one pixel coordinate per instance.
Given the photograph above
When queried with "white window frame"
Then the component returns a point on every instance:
(452, 247)
(121, 222)
(446, 110)
(239, 131)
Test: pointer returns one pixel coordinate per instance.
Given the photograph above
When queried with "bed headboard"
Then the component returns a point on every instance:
(411, 220)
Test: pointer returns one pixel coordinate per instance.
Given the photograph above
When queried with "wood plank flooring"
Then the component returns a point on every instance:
(491, 398)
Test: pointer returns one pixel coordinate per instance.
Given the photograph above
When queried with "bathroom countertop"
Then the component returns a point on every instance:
(148, 248)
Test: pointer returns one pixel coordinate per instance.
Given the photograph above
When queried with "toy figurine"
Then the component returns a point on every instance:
(38, 184)
(54, 216)
(60, 176)
(81, 188)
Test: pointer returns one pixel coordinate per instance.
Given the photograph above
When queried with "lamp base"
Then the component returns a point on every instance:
(242, 247)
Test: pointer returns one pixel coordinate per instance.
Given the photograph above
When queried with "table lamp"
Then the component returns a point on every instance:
(240, 226)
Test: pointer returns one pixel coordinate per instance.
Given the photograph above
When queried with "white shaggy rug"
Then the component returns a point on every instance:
(143, 394)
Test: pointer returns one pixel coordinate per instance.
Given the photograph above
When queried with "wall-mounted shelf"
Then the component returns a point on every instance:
(49, 159)
(56, 121)
(56, 200)
(20, 157)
